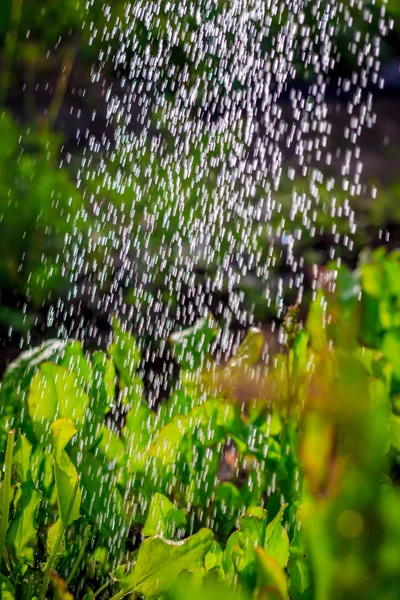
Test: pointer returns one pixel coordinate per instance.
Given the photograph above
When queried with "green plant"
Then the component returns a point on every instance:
(248, 482)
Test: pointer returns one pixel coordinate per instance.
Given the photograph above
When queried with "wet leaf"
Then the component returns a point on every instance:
(66, 478)
(192, 345)
(101, 500)
(75, 361)
(103, 386)
(160, 561)
(7, 591)
(22, 532)
(125, 353)
(249, 351)
(276, 539)
(55, 394)
(270, 577)
(163, 518)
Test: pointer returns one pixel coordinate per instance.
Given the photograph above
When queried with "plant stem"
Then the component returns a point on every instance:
(9, 47)
(120, 595)
(101, 589)
(52, 557)
(78, 559)
(6, 491)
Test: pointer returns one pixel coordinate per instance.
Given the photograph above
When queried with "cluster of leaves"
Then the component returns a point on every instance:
(249, 482)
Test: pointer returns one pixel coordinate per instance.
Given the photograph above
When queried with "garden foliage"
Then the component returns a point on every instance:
(250, 482)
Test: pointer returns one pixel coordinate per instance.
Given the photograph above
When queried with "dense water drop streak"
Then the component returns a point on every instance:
(223, 158)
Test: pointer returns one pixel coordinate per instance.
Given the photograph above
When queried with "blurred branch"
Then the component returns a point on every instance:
(9, 47)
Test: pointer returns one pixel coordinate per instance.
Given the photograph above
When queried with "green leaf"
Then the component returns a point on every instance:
(315, 324)
(167, 442)
(227, 561)
(103, 386)
(249, 351)
(391, 351)
(75, 361)
(160, 561)
(372, 279)
(300, 354)
(17, 379)
(125, 353)
(394, 424)
(66, 478)
(163, 518)
(101, 500)
(55, 394)
(298, 566)
(22, 532)
(276, 539)
(214, 557)
(251, 534)
(192, 345)
(7, 591)
(270, 576)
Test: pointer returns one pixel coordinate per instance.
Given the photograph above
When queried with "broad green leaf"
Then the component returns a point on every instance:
(101, 500)
(7, 591)
(160, 561)
(22, 532)
(75, 361)
(163, 518)
(214, 557)
(209, 589)
(270, 576)
(391, 269)
(103, 386)
(55, 394)
(228, 502)
(227, 561)
(17, 379)
(167, 441)
(372, 279)
(125, 353)
(276, 539)
(298, 567)
(191, 346)
(112, 447)
(66, 478)
(251, 534)
(21, 370)
(138, 427)
(249, 351)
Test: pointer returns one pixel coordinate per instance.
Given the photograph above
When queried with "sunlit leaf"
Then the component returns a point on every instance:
(159, 561)
(163, 518)
(55, 394)
(270, 576)
(66, 478)
(276, 541)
